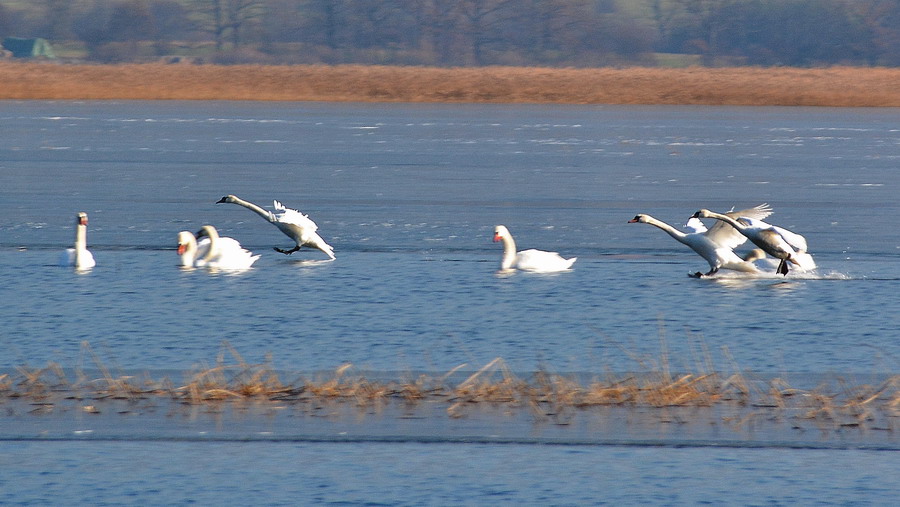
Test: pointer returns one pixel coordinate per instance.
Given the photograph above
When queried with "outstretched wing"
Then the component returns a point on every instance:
(725, 235)
(294, 217)
(695, 226)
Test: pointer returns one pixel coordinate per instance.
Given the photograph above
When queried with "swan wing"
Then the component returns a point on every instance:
(757, 212)
(695, 226)
(541, 261)
(67, 257)
(231, 255)
(86, 261)
(796, 241)
(290, 216)
(724, 234)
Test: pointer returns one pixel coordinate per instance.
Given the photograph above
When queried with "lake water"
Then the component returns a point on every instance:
(408, 195)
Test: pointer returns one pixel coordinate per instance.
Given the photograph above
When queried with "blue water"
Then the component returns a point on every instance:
(408, 195)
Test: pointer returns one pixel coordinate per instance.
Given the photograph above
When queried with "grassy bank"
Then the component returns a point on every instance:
(836, 86)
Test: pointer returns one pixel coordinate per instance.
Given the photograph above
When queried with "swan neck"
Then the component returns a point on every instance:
(675, 233)
(727, 219)
(509, 252)
(80, 237)
(212, 251)
(252, 207)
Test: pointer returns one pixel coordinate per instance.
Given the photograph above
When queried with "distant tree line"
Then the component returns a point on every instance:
(469, 32)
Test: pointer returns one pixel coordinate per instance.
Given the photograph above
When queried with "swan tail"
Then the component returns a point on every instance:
(317, 242)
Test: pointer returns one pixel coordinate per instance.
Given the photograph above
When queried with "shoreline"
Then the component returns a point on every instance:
(737, 86)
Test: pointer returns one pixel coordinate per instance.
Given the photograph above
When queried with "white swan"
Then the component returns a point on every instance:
(212, 250)
(775, 241)
(291, 222)
(528, 260)
(79, 257)
(716, 244)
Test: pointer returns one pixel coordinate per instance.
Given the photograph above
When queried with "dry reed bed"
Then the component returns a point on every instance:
(834, 86)
(545, 394)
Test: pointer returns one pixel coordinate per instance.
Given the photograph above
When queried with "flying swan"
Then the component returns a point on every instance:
(292, 223)
(775, 241)
(79, 257)
(715, 244)
(528, 260)
(212, 250)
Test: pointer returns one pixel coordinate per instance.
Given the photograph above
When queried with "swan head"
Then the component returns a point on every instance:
(500, 232)
(208, 231)
(640, 218)
(187, 243)
(81, 218)
(703, 213)
(228, 198)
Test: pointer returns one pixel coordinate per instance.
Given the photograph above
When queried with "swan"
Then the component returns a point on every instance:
(291, 222)
(528, 260)
(212, 250)
(79, 256)
(715, 244)
(775, 241)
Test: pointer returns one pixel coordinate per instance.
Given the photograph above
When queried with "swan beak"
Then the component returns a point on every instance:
(181, 249)
(696, 215)
(82, 221)
(497, 238)
(633, 221)
(220, 201)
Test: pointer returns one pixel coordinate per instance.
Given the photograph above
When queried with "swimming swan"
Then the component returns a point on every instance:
(528, 260)
(212, 250)
(775, 241)
(292, 223)
(715, 244)
(79, 257)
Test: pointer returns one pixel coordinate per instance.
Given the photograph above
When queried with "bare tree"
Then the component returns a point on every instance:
(227, 19)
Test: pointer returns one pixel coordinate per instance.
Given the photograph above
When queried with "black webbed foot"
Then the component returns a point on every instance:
(782, 267)
(286, 252)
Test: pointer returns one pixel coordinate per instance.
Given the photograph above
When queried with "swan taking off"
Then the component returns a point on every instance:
(715, 244)
(775, 241)
(79, 257)
(292, 223)
(528, 260)
(212, 250)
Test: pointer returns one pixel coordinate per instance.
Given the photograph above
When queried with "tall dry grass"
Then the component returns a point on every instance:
(837, 404)
(835, 86)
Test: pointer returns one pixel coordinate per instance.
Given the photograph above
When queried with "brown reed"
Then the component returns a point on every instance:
(546, 395)
(831, 86)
